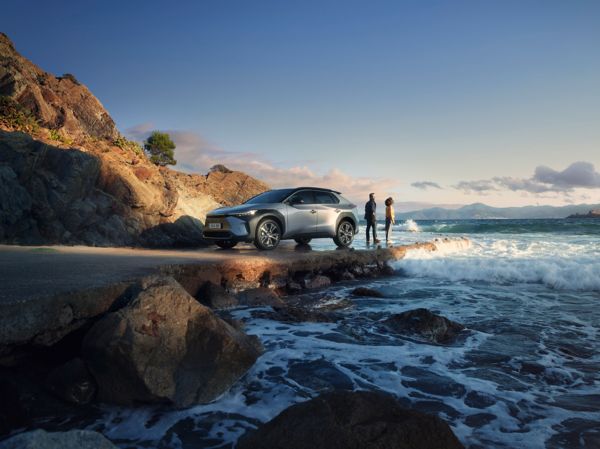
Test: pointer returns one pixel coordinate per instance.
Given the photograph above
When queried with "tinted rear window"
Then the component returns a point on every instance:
(325, 198)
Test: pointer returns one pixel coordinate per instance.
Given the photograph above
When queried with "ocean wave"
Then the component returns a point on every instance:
(563, 267)
(554, 226)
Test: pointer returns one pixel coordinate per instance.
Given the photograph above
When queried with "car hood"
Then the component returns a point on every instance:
(235, 209)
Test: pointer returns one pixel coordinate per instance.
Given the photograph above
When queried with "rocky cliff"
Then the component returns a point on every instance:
(67, 176)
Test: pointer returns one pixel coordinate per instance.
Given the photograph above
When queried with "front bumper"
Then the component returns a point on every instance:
(229, 228)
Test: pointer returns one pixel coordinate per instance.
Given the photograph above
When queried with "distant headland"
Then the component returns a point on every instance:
(594, 213)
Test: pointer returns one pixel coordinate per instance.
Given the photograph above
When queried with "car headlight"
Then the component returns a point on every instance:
(248, 213)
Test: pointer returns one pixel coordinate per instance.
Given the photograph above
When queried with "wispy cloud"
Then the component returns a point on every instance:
(578, 175)
(482, 186)
(424, 185)
(194, 153)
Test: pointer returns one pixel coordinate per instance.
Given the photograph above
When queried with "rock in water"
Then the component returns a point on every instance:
(215, 296)
(368, 292)
(351, 420)
(261, 296)
(73, 439)
(166, 347)
(433, 327)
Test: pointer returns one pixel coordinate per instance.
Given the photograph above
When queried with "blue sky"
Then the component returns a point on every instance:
(472, 96)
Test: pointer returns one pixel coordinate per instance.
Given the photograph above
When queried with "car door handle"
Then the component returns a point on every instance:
(313, 211)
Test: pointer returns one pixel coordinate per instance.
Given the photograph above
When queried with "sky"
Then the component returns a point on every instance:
(431, 102)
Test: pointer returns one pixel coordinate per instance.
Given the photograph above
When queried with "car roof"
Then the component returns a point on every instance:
(322, 189)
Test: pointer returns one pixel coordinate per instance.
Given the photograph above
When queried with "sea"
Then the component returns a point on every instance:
(524, 374)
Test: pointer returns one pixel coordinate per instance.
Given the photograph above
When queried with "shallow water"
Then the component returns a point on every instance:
(525, 374)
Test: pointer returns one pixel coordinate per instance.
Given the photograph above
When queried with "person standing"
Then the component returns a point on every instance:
(389, 217)
(371, 218)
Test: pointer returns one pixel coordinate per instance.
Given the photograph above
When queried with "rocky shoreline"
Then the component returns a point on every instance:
(168, 338)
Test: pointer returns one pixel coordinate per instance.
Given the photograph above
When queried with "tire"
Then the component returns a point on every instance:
(226, 244)
(268, 234)
(303, 240)
(344, 235)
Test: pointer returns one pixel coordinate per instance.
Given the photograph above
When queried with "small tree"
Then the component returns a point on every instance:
(220, 168)
(159, 147)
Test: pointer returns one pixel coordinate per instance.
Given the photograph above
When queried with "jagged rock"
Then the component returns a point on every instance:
(427, 324)
(368, 292)
(75, 180)
(216, 297)
(166, 347)
(260, 296)
(56, 102)
(12, 413)
(351, 420)
(298, 315)
(72, 382)
(73, 439)
(318, 281)
(293, 287)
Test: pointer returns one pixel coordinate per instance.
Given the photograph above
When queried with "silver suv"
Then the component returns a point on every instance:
(302, 214)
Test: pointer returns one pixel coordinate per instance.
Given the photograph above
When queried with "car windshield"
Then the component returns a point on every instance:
(272, 196)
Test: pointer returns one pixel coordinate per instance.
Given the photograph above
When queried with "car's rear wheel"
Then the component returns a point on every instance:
(303, 240)
(268, 234)
(226, 244)
(344, 235)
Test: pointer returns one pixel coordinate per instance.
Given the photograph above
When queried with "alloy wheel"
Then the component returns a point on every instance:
(268, 234)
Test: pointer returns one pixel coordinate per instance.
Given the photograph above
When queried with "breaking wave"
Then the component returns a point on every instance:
(565, 266)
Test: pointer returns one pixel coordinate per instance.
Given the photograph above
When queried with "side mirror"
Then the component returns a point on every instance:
(297, 201)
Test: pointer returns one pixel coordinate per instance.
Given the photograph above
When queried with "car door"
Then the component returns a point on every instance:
(327, 212)
(301, 214)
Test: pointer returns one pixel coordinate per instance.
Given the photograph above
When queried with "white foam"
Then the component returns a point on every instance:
(556, 264)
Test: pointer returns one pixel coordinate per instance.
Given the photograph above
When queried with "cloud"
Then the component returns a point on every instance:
(424, 185)
(578, 174)
(196, 154)
(482, 186)
(544, 180)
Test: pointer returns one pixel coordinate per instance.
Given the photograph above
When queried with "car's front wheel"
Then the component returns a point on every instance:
(268, 234)
(226, 244)
(344, 235)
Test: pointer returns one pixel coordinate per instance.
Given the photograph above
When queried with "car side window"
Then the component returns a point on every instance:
(325, 198)
(302, 197)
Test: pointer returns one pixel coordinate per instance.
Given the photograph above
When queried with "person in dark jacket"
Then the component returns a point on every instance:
(370, 211)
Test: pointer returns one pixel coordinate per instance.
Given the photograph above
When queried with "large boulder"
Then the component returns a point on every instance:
(73, 439)
(166, 347)
(351, 420)
(425, 323)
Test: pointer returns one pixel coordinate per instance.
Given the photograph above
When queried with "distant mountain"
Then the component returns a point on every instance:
(482, 211)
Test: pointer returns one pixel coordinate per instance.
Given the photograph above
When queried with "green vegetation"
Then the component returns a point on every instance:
(70, 77)
(128, 145)
(159, 147)
(220, 168)
(55, 134)
(15, 116)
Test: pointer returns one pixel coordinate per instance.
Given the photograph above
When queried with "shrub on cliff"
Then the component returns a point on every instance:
(160, 148)
(128, 145)
(219, 168)
(15, 116)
